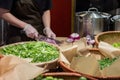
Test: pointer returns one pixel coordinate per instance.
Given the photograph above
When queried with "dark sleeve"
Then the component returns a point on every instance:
(44, 4)
(48, 5)
(6, 4)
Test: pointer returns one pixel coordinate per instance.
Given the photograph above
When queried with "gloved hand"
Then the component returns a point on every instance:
(49, 33)
(30, 31)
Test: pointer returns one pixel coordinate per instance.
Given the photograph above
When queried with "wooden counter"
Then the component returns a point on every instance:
(80, 43)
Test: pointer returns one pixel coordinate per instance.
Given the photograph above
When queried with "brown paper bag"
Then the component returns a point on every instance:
(64, 59)
(86, 65)
(70, 52)
(113, 70)
(14, 68)
(91, 52)
(108, 50)
(84, 52)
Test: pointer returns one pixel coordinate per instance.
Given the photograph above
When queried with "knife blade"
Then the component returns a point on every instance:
(45, 38)
(48, 39)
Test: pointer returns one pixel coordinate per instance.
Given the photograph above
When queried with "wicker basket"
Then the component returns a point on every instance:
(109, 37)
(66, 75)
(49, 64)
(96, 51)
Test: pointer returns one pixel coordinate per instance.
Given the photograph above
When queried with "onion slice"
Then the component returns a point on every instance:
(74, 36)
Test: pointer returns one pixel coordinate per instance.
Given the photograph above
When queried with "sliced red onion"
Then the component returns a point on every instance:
(50, 41)
(46, 39)
(90, 41)
(88, 38)
(70, 40)
(75, 36)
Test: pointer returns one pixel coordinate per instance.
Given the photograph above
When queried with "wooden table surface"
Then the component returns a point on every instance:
(81, 43)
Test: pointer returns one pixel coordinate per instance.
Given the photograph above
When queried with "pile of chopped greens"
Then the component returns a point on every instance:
(35, 50)
(106, 62)
(117, 45)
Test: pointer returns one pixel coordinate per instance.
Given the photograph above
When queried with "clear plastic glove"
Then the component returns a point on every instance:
(30, 31)
(49, 33)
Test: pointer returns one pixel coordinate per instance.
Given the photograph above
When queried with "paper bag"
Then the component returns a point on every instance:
(86, 65)
(84, 52)
(70, 52)
(14, 68)
(64, 59)
(113, 70)
(108, 50)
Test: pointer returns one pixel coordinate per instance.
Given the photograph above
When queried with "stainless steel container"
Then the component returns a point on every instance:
(92, 22)
(116, 20)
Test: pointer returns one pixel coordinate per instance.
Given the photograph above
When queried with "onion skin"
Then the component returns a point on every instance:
(70, 40)
(73, 37)
(46, 39)
(89, 40)
(50, 41)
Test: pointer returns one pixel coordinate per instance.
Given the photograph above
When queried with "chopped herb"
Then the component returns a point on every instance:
(35, 50)
(106, 62)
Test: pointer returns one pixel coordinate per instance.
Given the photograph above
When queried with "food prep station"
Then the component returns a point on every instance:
(88, 44)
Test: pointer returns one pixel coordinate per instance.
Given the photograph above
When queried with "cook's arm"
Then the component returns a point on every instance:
(46, 21)
(46, 18)
(29, 30)
(6, 15)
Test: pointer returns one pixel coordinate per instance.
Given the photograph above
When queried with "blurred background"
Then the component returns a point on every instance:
(64, 12)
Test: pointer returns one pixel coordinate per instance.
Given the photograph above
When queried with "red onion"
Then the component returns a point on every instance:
(74, 36)
(70, 40)
(50, 41)
(89, 40)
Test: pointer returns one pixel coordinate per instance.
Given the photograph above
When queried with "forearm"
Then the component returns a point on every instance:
(46, 18)
(13, 20)
(46, 21)
(2, 11)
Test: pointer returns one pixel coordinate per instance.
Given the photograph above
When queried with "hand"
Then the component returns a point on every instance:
(30, 31)
(49, 33)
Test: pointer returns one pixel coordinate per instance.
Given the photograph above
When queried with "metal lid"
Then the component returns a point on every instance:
(105, 15)
(93, 13)
(116, 18)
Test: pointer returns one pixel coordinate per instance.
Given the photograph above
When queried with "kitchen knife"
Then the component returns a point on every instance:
(47, 39)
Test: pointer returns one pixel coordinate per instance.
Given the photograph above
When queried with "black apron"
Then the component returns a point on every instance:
(27, 11)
